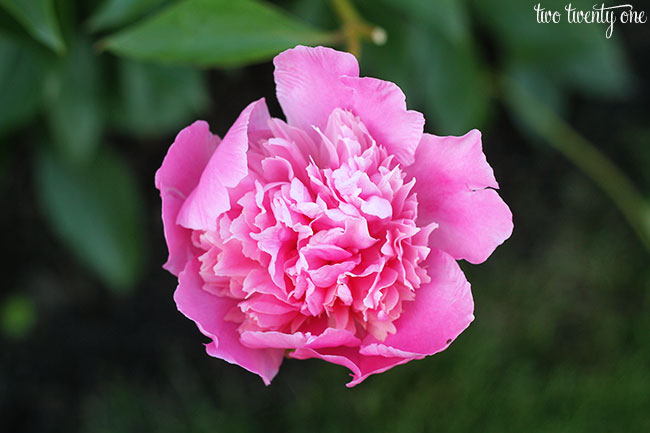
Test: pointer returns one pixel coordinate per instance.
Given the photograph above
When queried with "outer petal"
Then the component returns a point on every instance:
(176, 178)
(360, 365)
(226, 168)
(308, 84)
(208, 311)
(381, 105)
(304, 75)
(442, 309)
(452, 181)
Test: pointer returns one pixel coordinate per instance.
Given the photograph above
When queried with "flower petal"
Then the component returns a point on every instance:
(331, 337)
(361, 366)
(304, 75)
(176, 179)
(208, 312)
(381, 105)
(308, 84)
(452, 183)
(226, 168)
(441, 310)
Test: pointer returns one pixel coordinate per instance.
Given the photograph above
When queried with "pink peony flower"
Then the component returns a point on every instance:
(332, 235)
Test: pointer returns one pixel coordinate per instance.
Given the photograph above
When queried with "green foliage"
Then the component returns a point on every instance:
(96, 210)
(431, 54)
(20, 73)
(444, 74)
(447, 17)
(454, 85)
(17, 316)
(157, 100)
(74, 104)
(114, 13)
(577, 56)
(214, 33)
(39, 19)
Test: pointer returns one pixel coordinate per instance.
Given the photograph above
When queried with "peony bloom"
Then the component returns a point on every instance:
(332, 235)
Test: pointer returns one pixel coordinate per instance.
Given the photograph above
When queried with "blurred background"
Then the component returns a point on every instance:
(92, 94)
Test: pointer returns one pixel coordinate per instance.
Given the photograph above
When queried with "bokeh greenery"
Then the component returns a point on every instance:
(92, 94)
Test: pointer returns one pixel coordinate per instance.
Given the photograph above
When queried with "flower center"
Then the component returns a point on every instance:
(318, 239)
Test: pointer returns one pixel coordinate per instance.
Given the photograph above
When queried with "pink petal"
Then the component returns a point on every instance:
(233, 262)
(208, 312)
(304, 75)
(381, 105)
(176, 178)
(452, 183)
(308, 84)
(271, 339)
(226, 168)
(361, 366)
(442, 309)
(377, 206)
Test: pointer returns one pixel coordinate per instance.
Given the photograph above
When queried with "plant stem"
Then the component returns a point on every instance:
(355, 28)
(560, 135)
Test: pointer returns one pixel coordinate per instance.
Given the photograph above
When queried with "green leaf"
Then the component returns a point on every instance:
(600, 68)
(542, 88)
(390, 61)
(448, 17)
(214, 33)
(21, 72)
(431, 54)
(453, 82)
(578, 55)
(39, 18)
(319, 14)
(115, 13)
(157, 100)
(96, 211)
(74, 104)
